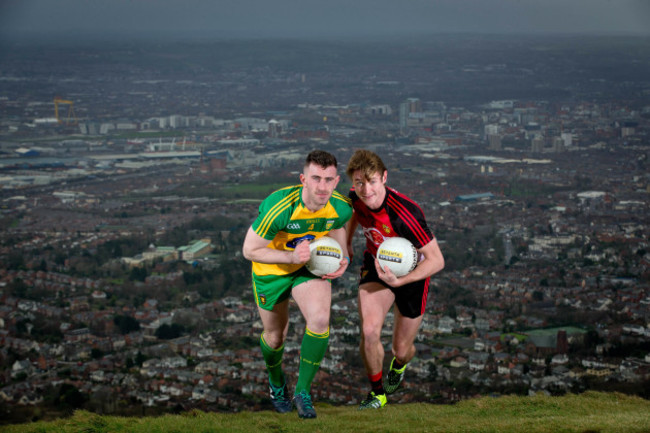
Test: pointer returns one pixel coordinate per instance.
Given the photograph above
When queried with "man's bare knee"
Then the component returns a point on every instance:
(403, 352)
(319, 324)
(273, 339)
(371, 334)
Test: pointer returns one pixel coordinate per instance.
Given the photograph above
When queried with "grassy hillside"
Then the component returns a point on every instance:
(586, 413)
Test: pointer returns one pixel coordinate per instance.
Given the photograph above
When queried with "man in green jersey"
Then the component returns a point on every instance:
(278, 245)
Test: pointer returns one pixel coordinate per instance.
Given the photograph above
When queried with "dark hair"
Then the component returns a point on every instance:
(321, 158)
(368, 162)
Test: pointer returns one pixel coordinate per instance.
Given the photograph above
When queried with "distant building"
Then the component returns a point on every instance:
(494, 141)
(235, 143)
(628, 128)
(567, 137)
(490, 129)
(25, 152)
(214, 165)
(475, 197)
(537, 144)
(154, 252)
(68, 196)
(194, 250)
(501, 105)
(274, 128)
(379, 110)
(410, 108)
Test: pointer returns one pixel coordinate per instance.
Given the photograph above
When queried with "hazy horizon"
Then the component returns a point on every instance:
(47, 21)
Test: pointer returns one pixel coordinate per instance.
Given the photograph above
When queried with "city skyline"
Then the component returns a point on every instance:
(530, 154)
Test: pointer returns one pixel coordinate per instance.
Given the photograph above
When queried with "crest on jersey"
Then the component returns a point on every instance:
(386, 229)
(262, 299)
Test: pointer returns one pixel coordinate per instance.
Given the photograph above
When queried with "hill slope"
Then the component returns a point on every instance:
(588, 412)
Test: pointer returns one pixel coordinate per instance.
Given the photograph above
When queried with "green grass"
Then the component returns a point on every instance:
(585, 413)
(553, 331)
(520, 337)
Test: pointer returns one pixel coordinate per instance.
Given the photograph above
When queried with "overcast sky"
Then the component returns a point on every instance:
(309, 18)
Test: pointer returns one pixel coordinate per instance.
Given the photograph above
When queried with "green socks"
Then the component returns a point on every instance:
(312, 351)
(273, 360)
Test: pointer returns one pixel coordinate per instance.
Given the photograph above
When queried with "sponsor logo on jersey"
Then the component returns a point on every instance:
(293, 242)
(374, 235)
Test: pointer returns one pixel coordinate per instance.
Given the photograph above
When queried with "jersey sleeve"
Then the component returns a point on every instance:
(410, 222)
(274, 212)
(421, 235)
(343, 207)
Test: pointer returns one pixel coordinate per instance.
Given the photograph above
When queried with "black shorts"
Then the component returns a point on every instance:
(411, 299)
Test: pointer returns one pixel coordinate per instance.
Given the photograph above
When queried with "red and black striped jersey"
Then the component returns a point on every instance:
(398, 216)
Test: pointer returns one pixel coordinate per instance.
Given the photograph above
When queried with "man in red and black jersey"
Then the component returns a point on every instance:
(382, 212)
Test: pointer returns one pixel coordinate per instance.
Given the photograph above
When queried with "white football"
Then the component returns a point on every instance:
(399, 254)
(326, 256)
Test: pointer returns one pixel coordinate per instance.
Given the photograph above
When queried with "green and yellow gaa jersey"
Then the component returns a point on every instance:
(285, 221)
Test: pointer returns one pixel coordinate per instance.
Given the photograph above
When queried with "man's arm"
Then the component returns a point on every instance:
(255, 249)
(432, 263)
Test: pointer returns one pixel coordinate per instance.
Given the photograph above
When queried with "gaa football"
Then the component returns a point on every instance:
(326, 256)
(398, 254)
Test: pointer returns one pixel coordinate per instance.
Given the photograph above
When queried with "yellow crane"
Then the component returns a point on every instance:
(72, 118)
